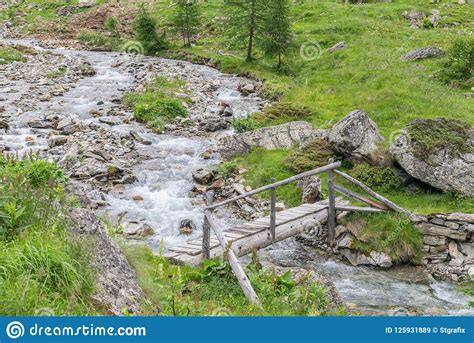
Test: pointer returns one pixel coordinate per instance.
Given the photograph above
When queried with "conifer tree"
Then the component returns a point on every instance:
(244, 20)
(186, 19)
(144, 27)
(276, 29)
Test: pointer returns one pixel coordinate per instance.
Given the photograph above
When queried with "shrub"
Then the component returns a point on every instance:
(392, 233)
(382, 178)
(282, 112)
(144, 27)
(244, 124)
(315, 154)
(111, 25)
(459, 66)
(225, 170)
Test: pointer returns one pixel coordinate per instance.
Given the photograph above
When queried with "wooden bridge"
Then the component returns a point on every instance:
(243, 239)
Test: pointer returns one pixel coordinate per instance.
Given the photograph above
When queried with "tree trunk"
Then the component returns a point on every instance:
(251, 31)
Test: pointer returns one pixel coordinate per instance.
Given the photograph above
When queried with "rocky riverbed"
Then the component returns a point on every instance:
(66, 106)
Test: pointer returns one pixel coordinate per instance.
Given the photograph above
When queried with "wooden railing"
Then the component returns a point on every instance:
(331, 169)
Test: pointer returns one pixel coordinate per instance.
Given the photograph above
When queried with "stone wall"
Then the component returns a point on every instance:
(448, 244)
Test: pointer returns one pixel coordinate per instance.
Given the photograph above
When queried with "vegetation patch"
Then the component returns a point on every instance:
(379, 178)
(467, 288)
(9, 55)
(316, 154)
(430, 135)
(45, 269)
(262, 165)
(213, 290)
(280, 113)
(458, 68)
(391, 233)
(226, 169)
(158, 104)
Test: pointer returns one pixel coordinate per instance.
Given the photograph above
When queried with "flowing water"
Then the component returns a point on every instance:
(165, 182)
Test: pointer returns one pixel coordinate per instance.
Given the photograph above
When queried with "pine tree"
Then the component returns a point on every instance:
(186, 19)
(244, 21)
(276, 29)
(144, 27)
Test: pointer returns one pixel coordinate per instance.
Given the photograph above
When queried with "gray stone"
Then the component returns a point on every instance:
(311, 189)
(438, 168)
(345, 241)
(337, 46)
(186, 227)
(356, 137)
(381, 259)
(426, 52)
(461, 217)
(434, 240)
(116, 286)
(213, 124)
(54, 141)
(138, 230)
(203, 176)
(275, 137)
(436, 230)
(457, 258)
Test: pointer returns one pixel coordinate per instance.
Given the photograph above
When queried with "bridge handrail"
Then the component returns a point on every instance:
(274, 185)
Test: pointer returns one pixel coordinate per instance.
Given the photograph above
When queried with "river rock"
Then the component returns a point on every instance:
(426, 52)
(381, 259)
(356, 137)
(135, 135)
(136, 230)
(203, 176)
(213, 124)
(186, 227)
(311, 189)
(275, 137)
(440, 168)
(457, 258)
(247, 89)
(54, 141)
(345, 241)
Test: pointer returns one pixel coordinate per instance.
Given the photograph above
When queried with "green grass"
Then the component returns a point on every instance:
(212, 290)
(368, 74)
(467, 287)
(44, 268)
(391, 233)
(158, 104)
(9, 55)
(262, 165)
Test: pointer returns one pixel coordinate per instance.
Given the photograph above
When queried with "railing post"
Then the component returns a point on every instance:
(206, 233)
(332, 206)
(273, 211)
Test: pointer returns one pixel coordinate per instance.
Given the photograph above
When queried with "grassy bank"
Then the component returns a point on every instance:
(212, 289)
(44, 267)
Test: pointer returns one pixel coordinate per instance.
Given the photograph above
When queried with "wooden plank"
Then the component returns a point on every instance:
(377, 196)
(273, 210)
(359, 209)
(332, 206)
(353, 195)
(277, 184)
(234, 263)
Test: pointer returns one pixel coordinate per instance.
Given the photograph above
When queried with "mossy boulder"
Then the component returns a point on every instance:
(439, 152)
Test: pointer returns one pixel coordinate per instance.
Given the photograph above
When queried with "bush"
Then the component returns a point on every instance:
(8, 55)
(316, 154)
(144, 27)
(380, 178)
(391, 233)
(459, 66)
(225, 170)
(111, 25)
(244, 124)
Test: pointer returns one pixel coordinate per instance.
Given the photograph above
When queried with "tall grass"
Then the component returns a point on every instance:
(44, 268)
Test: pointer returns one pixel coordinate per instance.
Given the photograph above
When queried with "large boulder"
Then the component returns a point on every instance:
(432, 151)
(356, 137)
(275, 137)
